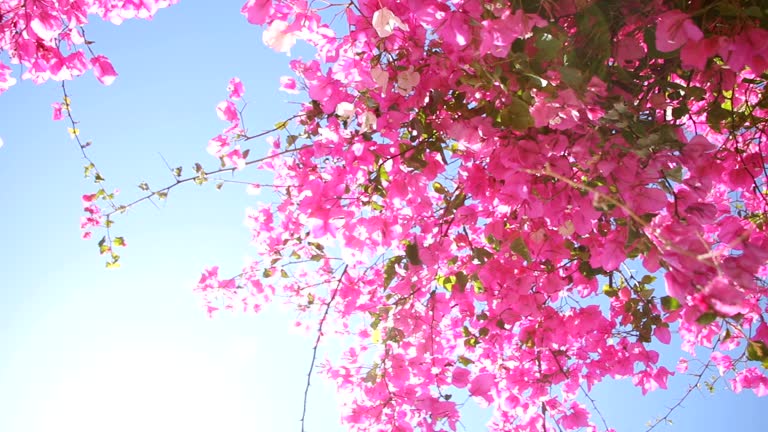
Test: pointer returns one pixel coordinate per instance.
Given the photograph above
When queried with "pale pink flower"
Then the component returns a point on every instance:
(367, 121)
(278, 37)
(385, 22)
(345, 110)
(407, 80)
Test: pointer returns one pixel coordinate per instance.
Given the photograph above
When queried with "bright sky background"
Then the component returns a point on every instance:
(85, 349)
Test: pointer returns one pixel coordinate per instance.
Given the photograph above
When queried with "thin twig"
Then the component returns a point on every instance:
(317, 343)
(125, 207)
(682, 399)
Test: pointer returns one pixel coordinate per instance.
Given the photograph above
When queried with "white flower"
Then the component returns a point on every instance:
(277, 38)
(345, 110)
(385, 22)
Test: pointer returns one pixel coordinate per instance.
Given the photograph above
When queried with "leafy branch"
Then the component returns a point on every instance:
(200, 177)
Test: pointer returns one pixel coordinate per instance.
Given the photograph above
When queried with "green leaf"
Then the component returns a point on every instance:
(675, 174)
(547, 47)
(383, 173)
(415, 160)
(376, 320)
(465, 361)
(716, 115)
(88, 169)
(412, 253)
(461, 280)
(446, 282)
(267, 273)
(754, 11)
(646, 294)
(103, 246)
(390, 270)
(706, 318)
(466, 331)
(516, 115)
(478, 286)
(394, 335)
(318, 246)
(752, 81)
(610, 291)
(143, 186)
(177, 171)
(519, 247)
(373, 375)
(281, 125)
(310, 299)
(571, 76)
(757, 351)
(118, 241)
(670, 304)
(437, 187)
(471, 342)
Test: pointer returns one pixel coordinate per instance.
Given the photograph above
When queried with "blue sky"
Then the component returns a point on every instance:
(87, 349)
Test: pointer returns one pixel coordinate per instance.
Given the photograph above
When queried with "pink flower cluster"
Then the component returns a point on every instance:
(472, 172)
(221, 145)
(45, 37)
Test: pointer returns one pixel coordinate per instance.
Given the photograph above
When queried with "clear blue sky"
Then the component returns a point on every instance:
(86, 349)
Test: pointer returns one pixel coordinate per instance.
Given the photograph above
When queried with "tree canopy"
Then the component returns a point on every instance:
(480, 196)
